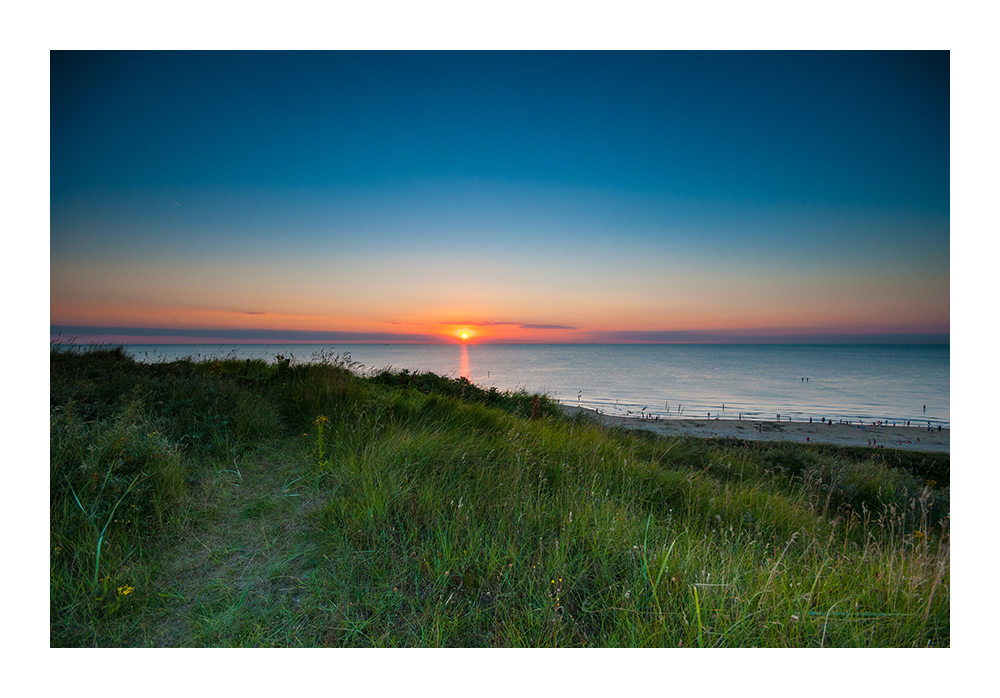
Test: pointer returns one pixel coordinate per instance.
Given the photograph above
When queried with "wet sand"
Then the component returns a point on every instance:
(905, 438)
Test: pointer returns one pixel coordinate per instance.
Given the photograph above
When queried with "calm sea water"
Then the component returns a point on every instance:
(835, 381)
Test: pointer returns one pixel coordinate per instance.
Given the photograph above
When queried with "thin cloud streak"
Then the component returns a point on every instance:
(500, 323)
(158, 334)
(733, 337)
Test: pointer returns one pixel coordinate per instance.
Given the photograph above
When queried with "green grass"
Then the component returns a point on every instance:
(222, 502)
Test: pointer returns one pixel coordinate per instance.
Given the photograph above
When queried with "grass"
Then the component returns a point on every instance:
(226, 502)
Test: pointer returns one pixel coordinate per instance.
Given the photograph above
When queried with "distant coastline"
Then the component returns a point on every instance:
(905, 438)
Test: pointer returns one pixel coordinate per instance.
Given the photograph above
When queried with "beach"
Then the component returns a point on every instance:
(912, 438)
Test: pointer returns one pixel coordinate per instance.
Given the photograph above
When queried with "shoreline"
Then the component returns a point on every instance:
(901, 438)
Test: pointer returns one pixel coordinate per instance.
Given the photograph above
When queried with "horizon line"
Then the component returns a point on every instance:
(91, 334)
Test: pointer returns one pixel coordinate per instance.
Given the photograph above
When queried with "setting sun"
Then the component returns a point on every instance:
(464, 335)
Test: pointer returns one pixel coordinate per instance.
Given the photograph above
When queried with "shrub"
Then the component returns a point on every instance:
(114, 485)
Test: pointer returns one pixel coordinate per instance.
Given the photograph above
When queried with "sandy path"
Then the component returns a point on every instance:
(907, 438)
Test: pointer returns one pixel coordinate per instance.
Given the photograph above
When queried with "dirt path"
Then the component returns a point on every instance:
(245, 545)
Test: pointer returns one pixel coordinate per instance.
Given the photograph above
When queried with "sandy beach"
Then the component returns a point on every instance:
(906, 438)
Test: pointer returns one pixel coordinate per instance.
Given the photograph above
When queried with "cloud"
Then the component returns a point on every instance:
(736, 337)
(501, 323)
(159, 333)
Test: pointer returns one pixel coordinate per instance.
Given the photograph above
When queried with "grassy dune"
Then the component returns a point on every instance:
(247, 503)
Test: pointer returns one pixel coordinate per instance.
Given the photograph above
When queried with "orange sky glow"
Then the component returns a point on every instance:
(536, 198)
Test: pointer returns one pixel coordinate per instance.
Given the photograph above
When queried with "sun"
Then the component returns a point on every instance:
(463, 333)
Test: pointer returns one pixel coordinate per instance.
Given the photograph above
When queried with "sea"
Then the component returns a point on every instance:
(855, 383)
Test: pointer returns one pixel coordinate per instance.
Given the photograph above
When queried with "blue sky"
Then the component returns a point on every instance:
(525, 196)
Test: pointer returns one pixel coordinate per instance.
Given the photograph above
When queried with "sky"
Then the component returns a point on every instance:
(352, 196)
